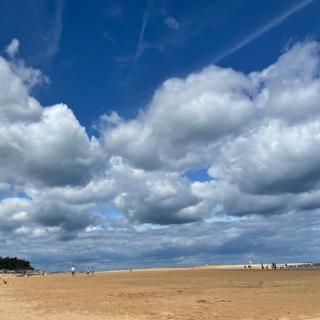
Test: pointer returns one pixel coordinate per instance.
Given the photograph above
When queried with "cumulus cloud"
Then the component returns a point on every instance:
(41, 148)
(184, 118)
(55, 150)
(154, 197)
(289, 89)
(15, 103)
(257, 134)
(275, 158)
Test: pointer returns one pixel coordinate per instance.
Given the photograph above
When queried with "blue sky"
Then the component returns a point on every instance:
(92, 65)
(148, 133)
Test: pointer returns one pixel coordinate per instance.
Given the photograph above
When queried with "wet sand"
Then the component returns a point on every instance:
(165, 294)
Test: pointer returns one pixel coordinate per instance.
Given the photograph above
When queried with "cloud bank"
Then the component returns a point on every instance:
(256, 135)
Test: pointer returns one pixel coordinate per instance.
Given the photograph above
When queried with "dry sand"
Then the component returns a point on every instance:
(165, 294)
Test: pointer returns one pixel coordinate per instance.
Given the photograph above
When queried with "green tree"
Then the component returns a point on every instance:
(14, 264)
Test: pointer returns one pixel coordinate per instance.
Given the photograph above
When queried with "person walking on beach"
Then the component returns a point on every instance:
(88, 271)
(73, 271)
(92, 270)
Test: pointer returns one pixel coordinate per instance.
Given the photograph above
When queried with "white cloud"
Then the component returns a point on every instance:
(259, 135)
(184, 119)
(55, 150)
(13, 48)
(42, 148)
(274, 158)
(289, 89)
(15, 102)
(154, 197)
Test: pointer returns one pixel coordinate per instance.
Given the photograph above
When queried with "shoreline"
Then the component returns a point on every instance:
(254, 266)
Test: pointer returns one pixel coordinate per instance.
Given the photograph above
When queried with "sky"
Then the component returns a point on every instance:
(159, 133)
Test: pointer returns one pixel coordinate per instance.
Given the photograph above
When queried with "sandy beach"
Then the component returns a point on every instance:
(164, 294)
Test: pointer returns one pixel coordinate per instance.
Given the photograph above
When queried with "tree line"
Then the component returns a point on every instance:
(14, 264)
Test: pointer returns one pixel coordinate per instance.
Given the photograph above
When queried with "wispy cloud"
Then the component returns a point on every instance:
(13, 48)
(172, 23)
(190, 25)
(145, 19)
(108, 37)
(54, 35)
(269, 26)
(114, 11)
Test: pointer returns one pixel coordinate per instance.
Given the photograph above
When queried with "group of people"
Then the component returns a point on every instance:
(89, 271)
(284, 266)
(273, 266)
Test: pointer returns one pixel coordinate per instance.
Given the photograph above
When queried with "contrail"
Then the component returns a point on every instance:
(270, 25)
(145, 19)
(56, 31)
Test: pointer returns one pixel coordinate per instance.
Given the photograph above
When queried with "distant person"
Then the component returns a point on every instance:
(92, 270)
(88, 271)
(73, 271)
(262, 266)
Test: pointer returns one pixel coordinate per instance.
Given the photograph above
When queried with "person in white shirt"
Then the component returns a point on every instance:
(73, 271)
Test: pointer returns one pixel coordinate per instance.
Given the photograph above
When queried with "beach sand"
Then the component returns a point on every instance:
(165, 294)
